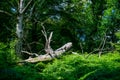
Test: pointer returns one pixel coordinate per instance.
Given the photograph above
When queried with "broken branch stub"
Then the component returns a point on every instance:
(48, 48)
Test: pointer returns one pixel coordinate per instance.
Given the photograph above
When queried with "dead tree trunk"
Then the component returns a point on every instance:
(50, 53)
(47, 57)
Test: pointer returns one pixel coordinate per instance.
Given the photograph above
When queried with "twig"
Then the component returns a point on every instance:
(104, 40)
(25, 8)
(50, 37)
(31, 54)
(96, 51)
(81, 47)
(44, 32)
(5, 12)
(102, 43)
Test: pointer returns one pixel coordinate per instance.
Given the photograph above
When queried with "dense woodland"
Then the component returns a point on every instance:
(33, 31)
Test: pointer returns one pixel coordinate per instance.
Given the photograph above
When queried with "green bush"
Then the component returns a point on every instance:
(7, 54)
(74, 67)
(40, 66)
(7, 60)
(23, 72)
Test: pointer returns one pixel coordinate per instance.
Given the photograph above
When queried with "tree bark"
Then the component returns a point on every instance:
(50, 53)
(19, 28)
(51, 56)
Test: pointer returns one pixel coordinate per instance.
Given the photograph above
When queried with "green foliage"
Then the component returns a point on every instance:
(3, 55)
(27, 73)
(8, 59)
(7, 54)
(69, 67)
(82, 22)
(20, 73)
(40, 66)
(74, 67)
(118, 34)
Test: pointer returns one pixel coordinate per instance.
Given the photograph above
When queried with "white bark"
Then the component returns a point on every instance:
(48, 57)
(19, 27)
(50, 54)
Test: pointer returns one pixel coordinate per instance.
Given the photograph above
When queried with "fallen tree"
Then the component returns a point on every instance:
(50, 53)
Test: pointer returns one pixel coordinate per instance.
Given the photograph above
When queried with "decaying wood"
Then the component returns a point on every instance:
(50, 53)
(48, 48)
(51, 56)
(30, 54)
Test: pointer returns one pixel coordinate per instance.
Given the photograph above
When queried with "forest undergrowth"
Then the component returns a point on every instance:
(68, 67)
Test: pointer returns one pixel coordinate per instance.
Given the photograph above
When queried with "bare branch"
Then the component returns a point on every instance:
(32, 10)
(5, 12)
(44, 35)
(50, 54)
(103, 44)
(25, 8)
(49, 40)
(47, 57)
(31, 54)
(81, 48)
(44, 32)
(96, 50)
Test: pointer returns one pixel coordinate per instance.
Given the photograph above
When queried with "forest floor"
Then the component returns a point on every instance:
(68, 67)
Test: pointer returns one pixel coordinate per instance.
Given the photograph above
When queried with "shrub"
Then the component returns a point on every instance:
(74, 67)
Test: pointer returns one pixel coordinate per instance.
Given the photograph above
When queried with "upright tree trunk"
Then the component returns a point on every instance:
(19, 27)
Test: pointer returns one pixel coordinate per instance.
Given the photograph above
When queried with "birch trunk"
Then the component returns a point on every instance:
(19, 27)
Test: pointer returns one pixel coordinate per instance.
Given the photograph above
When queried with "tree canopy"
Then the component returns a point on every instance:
(84, 22)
